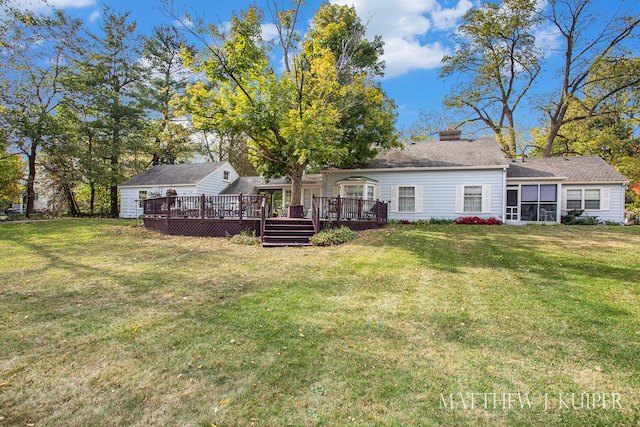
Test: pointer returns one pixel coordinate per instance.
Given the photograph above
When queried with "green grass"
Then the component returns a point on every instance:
(103, 323)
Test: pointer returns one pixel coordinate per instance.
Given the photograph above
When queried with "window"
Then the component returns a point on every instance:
(357, 187)
(406, 199)
(574, 199)
(353, 191)
(592, 199)
(588, 199)
(473, 198)
(539, 203)
(225, 175)
(142, 196)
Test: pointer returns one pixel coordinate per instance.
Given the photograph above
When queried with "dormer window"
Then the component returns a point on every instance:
(225, 175)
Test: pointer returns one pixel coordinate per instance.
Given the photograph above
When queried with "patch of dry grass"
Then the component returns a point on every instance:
(106, 323)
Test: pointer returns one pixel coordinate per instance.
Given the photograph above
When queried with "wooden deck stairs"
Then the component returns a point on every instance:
(287, 232)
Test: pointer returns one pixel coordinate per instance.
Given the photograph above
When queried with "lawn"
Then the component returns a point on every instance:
(103, 323)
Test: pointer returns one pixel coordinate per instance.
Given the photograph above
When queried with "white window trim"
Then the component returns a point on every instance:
(418, 199)
(339, 189)
(485, 199)
(605, 198)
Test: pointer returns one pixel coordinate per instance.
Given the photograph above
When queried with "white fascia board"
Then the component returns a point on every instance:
(416, 169)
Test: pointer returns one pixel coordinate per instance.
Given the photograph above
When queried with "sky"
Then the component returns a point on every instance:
(417, 33)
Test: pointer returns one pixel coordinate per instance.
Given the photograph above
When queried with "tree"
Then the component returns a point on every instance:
(170, 138)
(106, 82)
(603, 61)
(34, 54)
(298, 119)
(497, 51)
(11, 172)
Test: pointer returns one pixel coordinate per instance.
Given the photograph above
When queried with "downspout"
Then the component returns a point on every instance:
(504, 193)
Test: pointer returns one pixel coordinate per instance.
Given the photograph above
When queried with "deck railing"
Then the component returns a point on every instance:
(340, 208)
(228, 206)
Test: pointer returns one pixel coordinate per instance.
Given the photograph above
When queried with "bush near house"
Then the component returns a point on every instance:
(333, 236)
(474, 220)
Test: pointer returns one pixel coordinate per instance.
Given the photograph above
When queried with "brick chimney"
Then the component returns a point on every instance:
(450, 135)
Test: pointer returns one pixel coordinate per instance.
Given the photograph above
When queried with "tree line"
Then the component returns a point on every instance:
(590, 104)
(87, 110)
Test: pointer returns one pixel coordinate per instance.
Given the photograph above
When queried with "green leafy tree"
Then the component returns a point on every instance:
(299, 119)
(106, 83)
(498, 55)
(169, 136)
(11, 172)
(34, 54)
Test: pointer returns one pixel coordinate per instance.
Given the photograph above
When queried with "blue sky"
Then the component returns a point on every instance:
(417, 33)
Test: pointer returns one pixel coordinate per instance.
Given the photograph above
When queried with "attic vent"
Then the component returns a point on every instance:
(450, 135)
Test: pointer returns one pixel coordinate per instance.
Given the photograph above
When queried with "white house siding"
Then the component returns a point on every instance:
(129, 208)
(213, 184)
(438, 189)
(612, 200)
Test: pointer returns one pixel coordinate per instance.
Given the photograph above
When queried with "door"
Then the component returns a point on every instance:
(512, 212)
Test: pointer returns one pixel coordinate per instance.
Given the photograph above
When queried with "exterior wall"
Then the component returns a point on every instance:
(213, 184)
(129, 208)
(612, 201)
(438, 190)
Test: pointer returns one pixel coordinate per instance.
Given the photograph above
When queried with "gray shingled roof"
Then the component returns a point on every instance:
(575, 169)
(250, 184)
(439, 154)
(188, 173)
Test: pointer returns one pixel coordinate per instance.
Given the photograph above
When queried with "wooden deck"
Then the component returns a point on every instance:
(225, 216)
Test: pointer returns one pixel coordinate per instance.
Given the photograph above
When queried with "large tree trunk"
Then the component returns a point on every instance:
(31, 180)
(296, 185)
(115, 159)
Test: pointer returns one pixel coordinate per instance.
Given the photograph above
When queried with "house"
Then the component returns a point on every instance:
(449, 178)
(192, 179)
(456, 177)
(538, 190)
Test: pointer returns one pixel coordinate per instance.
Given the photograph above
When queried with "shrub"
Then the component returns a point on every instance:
(574, 217)
(246, 237)
(475, 220)
(434, 221)
(441, 221)
(332, 236)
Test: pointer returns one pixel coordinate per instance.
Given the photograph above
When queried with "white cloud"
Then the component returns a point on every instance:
(447, 19)
(406, 26)
(402, 56)
(548, 39)
(95, 15)
(269, 32)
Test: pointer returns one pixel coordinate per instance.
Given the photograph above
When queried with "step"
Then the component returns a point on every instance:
(279, 244)
(286, 237)
(307, 233)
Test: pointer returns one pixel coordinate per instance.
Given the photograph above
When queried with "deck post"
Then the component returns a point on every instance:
(240, 206)
(202, 206)
(168, 206)
(338, 208)
(360, 202)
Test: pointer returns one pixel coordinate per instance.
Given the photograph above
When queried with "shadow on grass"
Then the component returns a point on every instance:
(563, 278)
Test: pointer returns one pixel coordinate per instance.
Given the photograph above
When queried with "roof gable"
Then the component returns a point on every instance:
(170, 175)
(579, 169)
